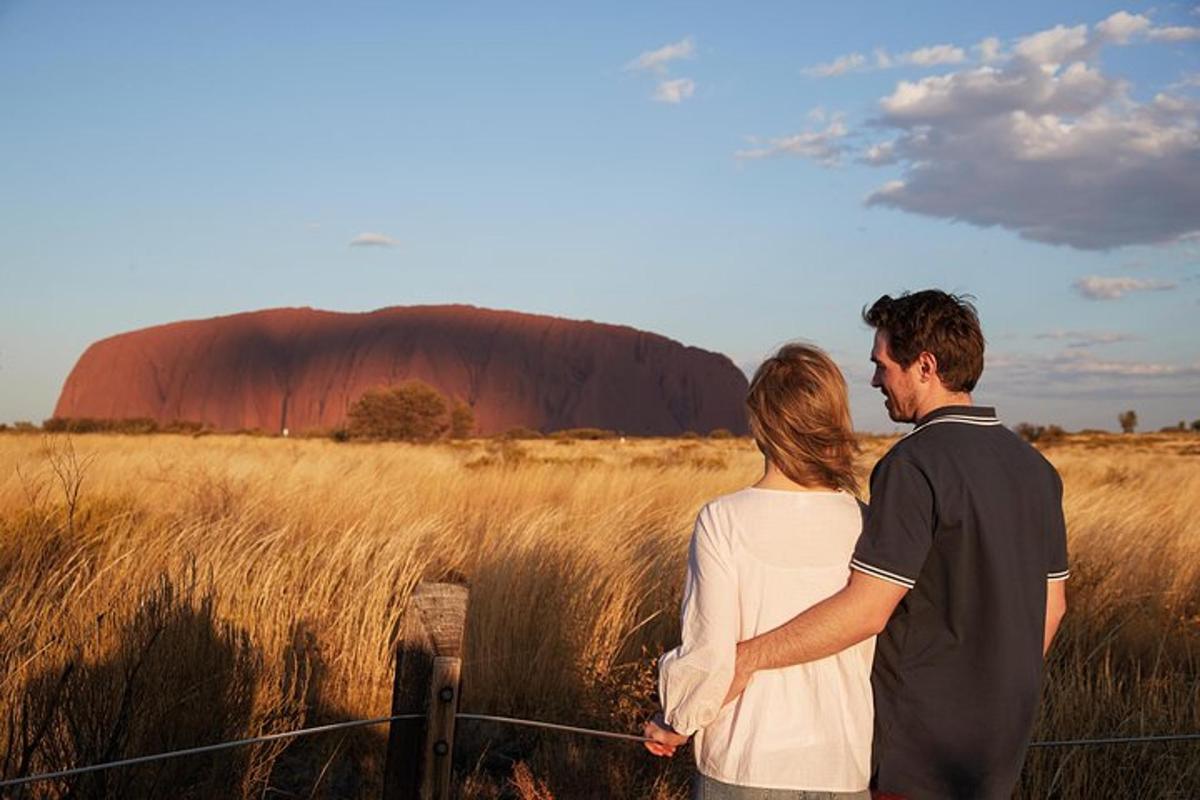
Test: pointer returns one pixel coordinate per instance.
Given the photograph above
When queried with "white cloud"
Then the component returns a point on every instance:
(1097, 288)
(675, 91)
(1079, 339)
(1040, 140)
(935, 55)
(373, 240)
(823, 146)
(989, 50)
(1060, 156)
(1073, 373)
(1122, 26)
(931, 56)
(839, 66)
(1175, 33)
(657, 60)
(1058, 45)
(880, 154)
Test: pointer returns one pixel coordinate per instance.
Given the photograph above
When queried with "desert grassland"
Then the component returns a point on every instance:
(204, 589)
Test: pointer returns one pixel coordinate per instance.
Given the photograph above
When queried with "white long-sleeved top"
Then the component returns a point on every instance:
(759, 557)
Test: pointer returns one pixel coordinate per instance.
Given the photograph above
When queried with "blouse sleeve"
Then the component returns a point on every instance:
(694, 677)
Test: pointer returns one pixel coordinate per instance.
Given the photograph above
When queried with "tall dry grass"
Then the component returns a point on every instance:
(212, 588)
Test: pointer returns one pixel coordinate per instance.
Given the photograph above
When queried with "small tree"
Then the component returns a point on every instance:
(1128, 420)
(413, 411)
(1196, 425)
(462, 421)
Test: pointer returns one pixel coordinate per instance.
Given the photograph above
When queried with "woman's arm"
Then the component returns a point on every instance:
(694, 677)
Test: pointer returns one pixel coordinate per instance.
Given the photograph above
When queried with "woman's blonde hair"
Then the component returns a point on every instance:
(800, 417)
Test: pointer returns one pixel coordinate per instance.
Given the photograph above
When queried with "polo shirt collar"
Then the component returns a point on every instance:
(981, 413)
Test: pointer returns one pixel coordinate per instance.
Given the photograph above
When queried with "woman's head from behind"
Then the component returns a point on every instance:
(800, 418)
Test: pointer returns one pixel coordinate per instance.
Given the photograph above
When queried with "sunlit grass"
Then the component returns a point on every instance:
(217, 587)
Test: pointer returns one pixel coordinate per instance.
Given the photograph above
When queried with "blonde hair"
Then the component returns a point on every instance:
(800, 417)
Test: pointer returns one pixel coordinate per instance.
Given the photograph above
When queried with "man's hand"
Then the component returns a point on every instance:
(743, 671)
(664, 738)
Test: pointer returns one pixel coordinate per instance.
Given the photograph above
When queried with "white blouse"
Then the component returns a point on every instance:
(758, 558)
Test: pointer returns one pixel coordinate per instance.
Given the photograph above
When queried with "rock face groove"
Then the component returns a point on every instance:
(302, 368)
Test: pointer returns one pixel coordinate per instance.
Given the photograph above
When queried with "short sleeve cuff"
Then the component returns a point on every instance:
(1058, 576)
(882, 574)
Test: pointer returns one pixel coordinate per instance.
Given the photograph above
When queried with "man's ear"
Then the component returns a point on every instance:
(928, 366)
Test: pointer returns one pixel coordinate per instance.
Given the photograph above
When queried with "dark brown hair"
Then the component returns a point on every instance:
(932, 321)
(800, 418)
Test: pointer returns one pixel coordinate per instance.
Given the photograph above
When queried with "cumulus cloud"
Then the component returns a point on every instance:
(657, 60)
(823, 146)
(373, 240)
(1046, 146)
(1123, 26)
(1097, 288)
(675, 91)
(1033, 136)
(852, 62)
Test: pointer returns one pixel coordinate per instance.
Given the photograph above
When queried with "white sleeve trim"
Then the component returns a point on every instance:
(882, 574)
(1058, 576)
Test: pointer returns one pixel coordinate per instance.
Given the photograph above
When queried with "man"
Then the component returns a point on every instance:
(959, 569)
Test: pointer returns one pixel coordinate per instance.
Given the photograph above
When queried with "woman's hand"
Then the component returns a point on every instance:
(664, 740)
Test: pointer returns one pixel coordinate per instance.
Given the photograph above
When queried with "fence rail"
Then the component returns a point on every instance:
(428, 662)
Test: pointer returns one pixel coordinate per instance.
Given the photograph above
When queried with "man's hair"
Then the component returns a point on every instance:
(800, 418)
(932, 321)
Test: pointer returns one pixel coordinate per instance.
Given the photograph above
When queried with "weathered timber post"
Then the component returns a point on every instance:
(428, 671)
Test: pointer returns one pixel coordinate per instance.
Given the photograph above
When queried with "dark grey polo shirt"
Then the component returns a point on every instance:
(968, 517)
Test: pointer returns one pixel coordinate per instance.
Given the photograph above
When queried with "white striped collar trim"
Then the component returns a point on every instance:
(963, 418)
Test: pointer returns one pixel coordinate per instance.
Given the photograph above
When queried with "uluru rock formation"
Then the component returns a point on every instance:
(302, 368)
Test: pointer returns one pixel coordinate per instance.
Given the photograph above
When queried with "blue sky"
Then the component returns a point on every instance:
(732, 176)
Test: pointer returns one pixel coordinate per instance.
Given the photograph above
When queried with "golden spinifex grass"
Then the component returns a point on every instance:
(161, 592)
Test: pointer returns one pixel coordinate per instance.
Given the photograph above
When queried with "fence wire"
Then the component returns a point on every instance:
(532, 723)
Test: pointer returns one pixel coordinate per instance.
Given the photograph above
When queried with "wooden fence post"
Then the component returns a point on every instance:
(428, 671)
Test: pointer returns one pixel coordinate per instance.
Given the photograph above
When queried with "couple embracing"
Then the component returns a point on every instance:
(834, 650)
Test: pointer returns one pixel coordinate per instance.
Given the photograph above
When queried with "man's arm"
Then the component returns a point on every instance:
(858, 611)
(1056, 607)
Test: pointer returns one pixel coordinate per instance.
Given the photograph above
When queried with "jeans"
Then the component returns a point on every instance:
(705, 788)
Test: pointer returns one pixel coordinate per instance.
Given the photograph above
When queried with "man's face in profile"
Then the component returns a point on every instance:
(899, 385)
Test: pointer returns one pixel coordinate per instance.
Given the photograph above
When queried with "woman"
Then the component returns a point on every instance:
(758, 557)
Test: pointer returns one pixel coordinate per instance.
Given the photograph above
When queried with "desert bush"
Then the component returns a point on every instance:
(520, 432)
(1128, 421)
(720, 433)
(1044, 434)
(584, 434)
(462, 421)
(132, 425)
(413, 411)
